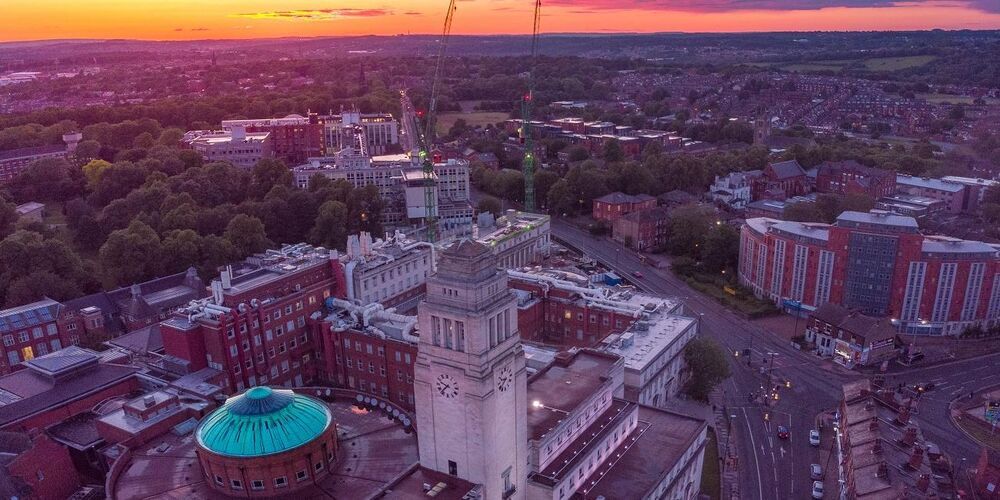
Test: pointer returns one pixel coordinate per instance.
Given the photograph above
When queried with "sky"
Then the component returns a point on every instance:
(218, 19)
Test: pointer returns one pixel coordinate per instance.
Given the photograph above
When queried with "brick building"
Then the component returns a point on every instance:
(644, 231)
(110, 314)
(877, 263)
(779, 181)
(987, 477)
(293, 139)
(851, 177)
(851, 338)
(35, 467)
(370, 350)
(15, 161)
(612, 207)
(34, 330)
(257, 327)
(950, 192)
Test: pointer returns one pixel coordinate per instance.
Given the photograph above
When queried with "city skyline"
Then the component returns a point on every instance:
(189, 20)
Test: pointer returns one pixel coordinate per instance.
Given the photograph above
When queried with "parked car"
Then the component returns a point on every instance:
(815, 472)
(782, 432)
(817, 489)
(814, 437)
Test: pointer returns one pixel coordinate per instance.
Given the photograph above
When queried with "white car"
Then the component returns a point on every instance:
(817, 489)
(814, 437)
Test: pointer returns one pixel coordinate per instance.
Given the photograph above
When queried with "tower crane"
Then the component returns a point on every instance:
(527, 103)
(427, 138)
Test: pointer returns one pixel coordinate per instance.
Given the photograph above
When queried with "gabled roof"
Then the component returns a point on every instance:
(29, 315)
(786, 169)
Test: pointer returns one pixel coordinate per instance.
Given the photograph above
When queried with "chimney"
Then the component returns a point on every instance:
(877, 447)
(909, 436)
(923, 482)
(882, 471)
(916, 458)
(873, 424)
(136, 291)
(903, 417)
(227, 278)
(149, 401)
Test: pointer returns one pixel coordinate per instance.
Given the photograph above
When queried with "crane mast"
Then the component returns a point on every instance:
(527, 138)
(427, 139)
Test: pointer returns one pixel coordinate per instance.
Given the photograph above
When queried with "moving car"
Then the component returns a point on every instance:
(814, 437)
(637, 274)
(815, 472)
(817, 489)
(925, 387)
(782, 432)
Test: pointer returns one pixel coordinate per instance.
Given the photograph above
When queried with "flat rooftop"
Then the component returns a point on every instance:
(662, 437)
(511, 225)
(929, 183)
(562, 387)
(372, 452)
(646, 339)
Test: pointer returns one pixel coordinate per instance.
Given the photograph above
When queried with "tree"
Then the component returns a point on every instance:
(489, 204)
(8, 218)
(181, 250)
(330, 229)
(707, 365)
(687, 228)
(267, 174)
(613, 151)
(577, 153)
(93, 170)
(804, 212)
(38, 285)
(247, 235)
(560, 199)
(721, 249)
(131, 255)
(87, 150)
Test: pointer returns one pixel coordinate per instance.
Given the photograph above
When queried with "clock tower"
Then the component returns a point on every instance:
(470, 380)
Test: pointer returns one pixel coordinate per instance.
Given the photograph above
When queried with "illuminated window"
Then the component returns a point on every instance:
(27, 353)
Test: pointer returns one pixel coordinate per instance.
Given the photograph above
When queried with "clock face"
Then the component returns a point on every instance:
(505, 378)
(447, 386)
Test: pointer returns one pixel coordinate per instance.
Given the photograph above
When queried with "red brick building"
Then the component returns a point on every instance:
(369, 350)
(987, 479)
(644, 231)
(779, 181)
(851, 177)
(37, 467)
(258, 326)
(612, 207)
(34, 330)
(294, 138)
(878, 264)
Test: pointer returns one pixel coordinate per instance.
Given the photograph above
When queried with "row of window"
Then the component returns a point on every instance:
(36, 333)
(258, 484)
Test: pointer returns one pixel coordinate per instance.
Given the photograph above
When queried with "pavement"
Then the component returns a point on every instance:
(772, 468)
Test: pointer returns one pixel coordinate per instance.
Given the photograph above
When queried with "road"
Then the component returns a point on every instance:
(409, 136)
(772, 468)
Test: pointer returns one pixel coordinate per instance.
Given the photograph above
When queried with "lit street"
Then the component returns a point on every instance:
(771, 467)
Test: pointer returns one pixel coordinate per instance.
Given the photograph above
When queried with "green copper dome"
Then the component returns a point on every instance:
(263, 421)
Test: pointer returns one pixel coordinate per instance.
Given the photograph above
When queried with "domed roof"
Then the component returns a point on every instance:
(263, 421)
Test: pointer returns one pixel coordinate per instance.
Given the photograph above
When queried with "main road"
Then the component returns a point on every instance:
(773, 468)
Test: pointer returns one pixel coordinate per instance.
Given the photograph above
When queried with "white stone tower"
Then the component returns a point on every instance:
(470, 379)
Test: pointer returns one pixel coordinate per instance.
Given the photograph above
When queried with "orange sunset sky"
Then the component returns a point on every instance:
(201, 19)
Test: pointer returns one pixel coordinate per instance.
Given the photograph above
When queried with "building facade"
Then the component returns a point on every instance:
(614, 206)
(643, 231)
(878, 264)
(34, 330)
(851, 338)
(258, 326)
(235, 145)
(388, 272)
(16, 161)
(851, 177)
(951, 193)
(470, 376)
(293, 138)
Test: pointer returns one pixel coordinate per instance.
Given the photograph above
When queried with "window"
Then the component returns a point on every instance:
(301, 475)
(52, 330)
(36, 332)
(318, 466)
(218, 480)
(288, 309)
(230, 333)
(277, 313)
(23, 336)
(236, 484)
(8, 340)
(452, 468)
(280, 482)
(257, 484)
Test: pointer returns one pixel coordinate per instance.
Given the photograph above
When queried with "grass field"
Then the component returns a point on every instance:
(481, 118)
(873, 64)
(897, 63)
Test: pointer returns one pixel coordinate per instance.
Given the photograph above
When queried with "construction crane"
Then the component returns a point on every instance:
(427, 140)
(527, 138)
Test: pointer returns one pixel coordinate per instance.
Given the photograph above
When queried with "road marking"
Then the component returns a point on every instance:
(782, 450)
(756, 460)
